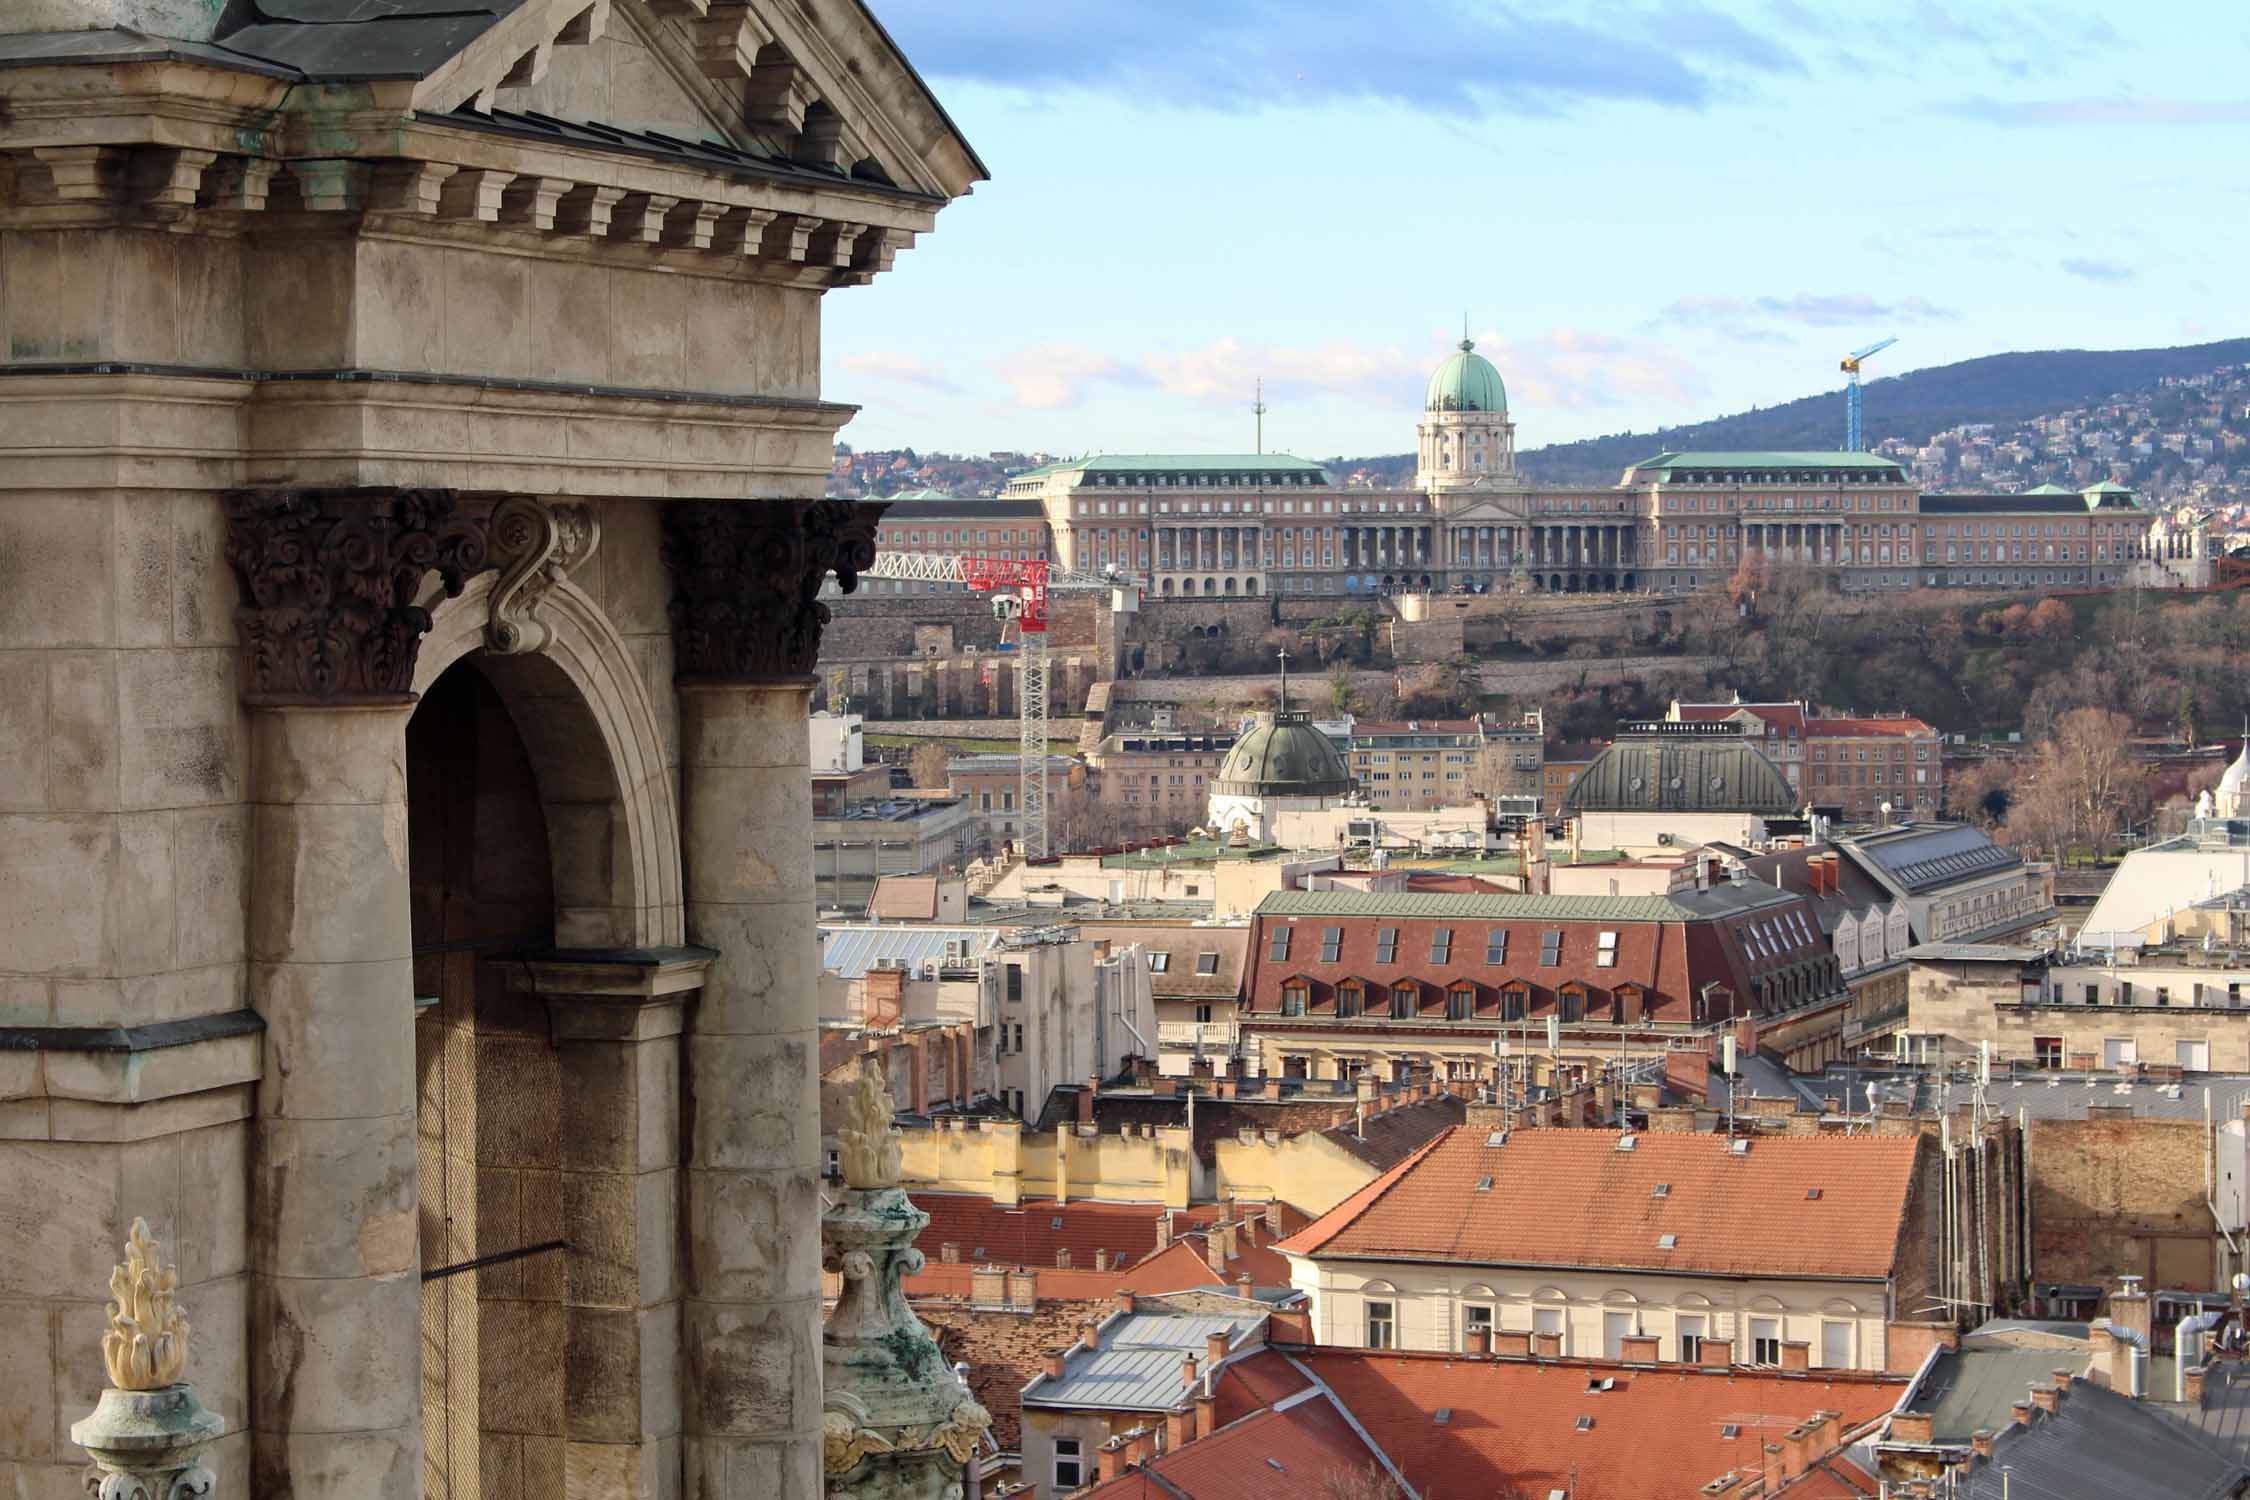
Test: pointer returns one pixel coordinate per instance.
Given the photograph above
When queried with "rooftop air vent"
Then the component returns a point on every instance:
(1443, 1416)
(1585, 1424)
(1484, 1184)
(1497, 1138)
(1740, 1148)
(1661, 1190)
(1625, 1143)
(1667, 1242)
(1730, 1430)
(1812, 1195)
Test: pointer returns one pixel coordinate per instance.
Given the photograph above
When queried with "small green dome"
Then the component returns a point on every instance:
(1467, 382)
(1284, 756)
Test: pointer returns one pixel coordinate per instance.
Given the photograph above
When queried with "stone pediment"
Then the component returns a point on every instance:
(1492, 509)
(819, 84)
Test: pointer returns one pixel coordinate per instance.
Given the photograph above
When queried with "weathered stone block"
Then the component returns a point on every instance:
(767, 978)
(23, 731)
(214, 1207)
(752, 1369)
(140, 899)
(339, 1198)
(337, 1356)
(749, 1237)
(210, 883)
(27, 1395)
(179, 729)
(338, 1038)
(54, 564)
(81, 731)
(754, 1101)
(54, 892)
(330, 883)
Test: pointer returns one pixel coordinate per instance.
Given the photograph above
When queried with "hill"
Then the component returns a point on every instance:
(1999, 388)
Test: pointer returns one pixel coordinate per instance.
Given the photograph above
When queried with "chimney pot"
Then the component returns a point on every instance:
(2022, 1412)
(1101, 1259)
(2046, 1398)
(1980, 1441)
(1055, 1365)
(1214, 1349)
(1187, 1373)
(1179, 1428)
(1206, 1415)
(1127, 1303)
(949, 1253)
(1089, 1335)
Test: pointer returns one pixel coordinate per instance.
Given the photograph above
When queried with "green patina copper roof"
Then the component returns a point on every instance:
(2049, 489)
(1284, 756)
(1817, 461)
(1681, 773)
(1176, 463)
(1467, 382)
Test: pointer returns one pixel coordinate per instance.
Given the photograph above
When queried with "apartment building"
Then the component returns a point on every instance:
(1419, 765)
(1791, 1252)
(2168, 1005)
(855, 844)
(1156, 782)
(1346, 982)
(1860, 764)
(991, 783)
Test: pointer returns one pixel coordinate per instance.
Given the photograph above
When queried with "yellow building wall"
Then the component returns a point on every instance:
(1002, 1160)
(1309, 1172)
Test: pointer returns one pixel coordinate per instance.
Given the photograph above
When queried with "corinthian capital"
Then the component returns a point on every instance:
(746, 577)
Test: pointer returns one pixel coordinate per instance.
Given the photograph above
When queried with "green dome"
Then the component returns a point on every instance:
(1284, 756)
(1467, 382)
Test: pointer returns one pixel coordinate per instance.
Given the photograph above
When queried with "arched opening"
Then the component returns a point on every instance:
(1250, 585)
(1229, 589)
(1167, 588)
(489, 1122)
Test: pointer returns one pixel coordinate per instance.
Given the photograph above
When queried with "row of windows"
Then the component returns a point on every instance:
(1690, 1331)
(1441, 944)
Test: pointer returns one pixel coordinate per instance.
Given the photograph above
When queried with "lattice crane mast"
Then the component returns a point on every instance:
(1020, 587)
(1850, 367)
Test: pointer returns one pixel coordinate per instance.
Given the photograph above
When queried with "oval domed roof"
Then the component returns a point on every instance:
(1706, 771)
(1284, 756)
(2237, 776)
(1467, 382)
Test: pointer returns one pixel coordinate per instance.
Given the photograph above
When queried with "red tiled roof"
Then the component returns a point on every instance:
(1254, 1382)
(1029, 1236)
(1656, 1434)
(1178, 979)
(904, 898)
(1783, 716)
(1841, 728)
(1276, 1452)
(1748, 1214)
(1003, 1350)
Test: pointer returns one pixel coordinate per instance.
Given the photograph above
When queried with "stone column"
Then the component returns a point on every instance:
(746, 623)
(328, 582)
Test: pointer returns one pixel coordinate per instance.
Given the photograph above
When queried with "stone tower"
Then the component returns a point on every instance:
(1466, 437)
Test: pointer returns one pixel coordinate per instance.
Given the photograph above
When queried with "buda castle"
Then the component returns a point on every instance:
(1227, 525)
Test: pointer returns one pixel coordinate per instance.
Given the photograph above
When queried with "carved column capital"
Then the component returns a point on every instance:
(330, 580)
(746, 577)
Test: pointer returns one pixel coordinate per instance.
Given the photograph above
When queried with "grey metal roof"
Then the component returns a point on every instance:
(1724, 900)
(1974, 953)
(2224, 1416)
(47, 48)
(1968, 1389)
(2101, 1446)
(1681, 773)
(1137, 1367)
(1284, 755)
(1927, 856)
(852, 951)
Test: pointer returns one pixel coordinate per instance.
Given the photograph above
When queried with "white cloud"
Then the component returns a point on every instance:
(1050, 377)
(904, 369)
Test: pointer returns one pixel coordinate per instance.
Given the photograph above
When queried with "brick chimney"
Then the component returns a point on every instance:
(1910, 1427)
(1023, 1291)
(1112, 1460)
(1055, 1364)
(1089, 1335)
(949, 1253)
(1214, 1349)
(2046, 1398)
(1187, 1373)
(1101, 1259)
(1638, 1349)
(2022, 1411)
(2129, 1309)
(1206, 1415)
(1140, 1445)
(1179, 1428)
(1127, 1303)
(1980, 1442)
(2192, 1385)
(1086, 1102)
(1164, 1230)
(1775, 1460)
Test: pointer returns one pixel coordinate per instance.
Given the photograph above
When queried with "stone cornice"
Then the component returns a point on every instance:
(746, 581)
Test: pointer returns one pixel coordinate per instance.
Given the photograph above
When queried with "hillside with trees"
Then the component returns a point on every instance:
(1998, 388)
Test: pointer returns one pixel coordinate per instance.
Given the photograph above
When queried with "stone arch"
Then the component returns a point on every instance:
(597, 754)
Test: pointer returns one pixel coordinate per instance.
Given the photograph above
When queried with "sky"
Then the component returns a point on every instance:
(1644, 213)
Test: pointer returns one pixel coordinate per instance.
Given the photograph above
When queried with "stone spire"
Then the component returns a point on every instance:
(896, 1423)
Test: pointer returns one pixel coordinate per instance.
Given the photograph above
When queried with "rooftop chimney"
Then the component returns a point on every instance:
(1980, 1442)
(1089, 1335)
(2022, 1412)
(1179, 1428)
(1127, 1303)
(1055, 1364)
(1187, 1373)
(1206, 1415)
(1214, 1348)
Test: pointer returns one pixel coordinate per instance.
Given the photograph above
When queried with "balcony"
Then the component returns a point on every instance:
(1199, 1036)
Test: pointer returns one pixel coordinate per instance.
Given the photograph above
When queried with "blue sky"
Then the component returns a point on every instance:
(1648, 213)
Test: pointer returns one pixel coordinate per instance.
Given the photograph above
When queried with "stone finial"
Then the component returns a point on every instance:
(869, 1141)
(147, 1343)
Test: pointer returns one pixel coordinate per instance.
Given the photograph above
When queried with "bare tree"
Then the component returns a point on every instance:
(1370, 1481)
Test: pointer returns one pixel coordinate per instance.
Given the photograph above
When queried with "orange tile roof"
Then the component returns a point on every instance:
(1278, 1451)
(1657, 1434)
(1030, 1235)
(1812, 1206)
(1838, 728)
(1255, 1382)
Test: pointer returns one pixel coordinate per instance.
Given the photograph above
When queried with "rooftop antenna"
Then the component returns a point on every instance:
(1284, 655)
(1258, 409)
